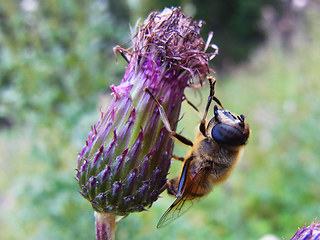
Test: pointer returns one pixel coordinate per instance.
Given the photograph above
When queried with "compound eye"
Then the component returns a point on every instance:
(228, 135)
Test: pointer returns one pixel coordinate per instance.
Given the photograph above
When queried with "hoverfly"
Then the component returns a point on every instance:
(212, 157)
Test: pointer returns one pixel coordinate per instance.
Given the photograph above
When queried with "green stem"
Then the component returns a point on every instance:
(105, 226)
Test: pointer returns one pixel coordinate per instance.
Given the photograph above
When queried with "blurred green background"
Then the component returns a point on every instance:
(56, 65)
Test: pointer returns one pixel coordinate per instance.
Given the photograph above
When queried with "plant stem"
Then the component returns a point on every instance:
(105, 226)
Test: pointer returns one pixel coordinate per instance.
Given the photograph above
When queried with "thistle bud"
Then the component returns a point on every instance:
(311, 232)
(126, 158)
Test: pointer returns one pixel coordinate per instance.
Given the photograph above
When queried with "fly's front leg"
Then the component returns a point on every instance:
(211, 97)
(166, 122)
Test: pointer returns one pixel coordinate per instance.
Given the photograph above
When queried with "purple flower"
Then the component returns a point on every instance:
(126, 158)
(311, 232)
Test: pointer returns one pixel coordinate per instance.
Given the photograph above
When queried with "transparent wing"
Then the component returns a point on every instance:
(177, 208)
(182, 204)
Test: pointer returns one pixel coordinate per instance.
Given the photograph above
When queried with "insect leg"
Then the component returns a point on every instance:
(178, 158)
(164, 187)
(211, 97)
(172, 186)
(121, 51)
(166, 122)
(191, 104)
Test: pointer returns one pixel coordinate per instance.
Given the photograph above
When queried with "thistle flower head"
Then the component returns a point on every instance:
(311, 232)
(126, 158)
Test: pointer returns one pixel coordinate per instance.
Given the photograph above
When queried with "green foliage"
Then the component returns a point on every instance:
(55, 55)
(55, 61)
